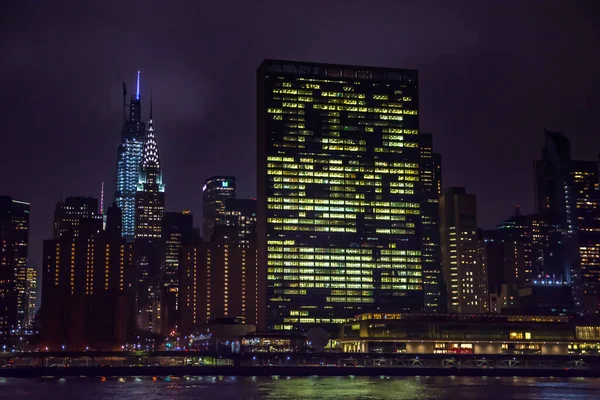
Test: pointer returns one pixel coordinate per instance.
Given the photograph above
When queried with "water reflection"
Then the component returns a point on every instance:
(312, 388)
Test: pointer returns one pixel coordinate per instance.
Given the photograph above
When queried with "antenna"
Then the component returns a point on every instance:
(137, 90)
(102, 198)
(535, 194)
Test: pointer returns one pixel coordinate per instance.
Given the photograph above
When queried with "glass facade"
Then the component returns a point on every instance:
(338, 194)
(129, 159)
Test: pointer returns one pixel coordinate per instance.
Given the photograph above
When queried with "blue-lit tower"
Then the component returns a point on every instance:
(129, 158)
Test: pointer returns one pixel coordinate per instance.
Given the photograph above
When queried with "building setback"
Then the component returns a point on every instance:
(339, 219)
(14, 245)
(463, 265)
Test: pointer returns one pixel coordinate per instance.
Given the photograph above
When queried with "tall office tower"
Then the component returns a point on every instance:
(555, 201)
(585, 191)
(338, 209)
(431, 191)
(129, 159)
(215, 192)
(87, 288)
(509, 260)
(178, 232)
(32, 296)
(240, 221)
(463, 271)
(218, 279)
(150, 209)
(68, 214)
(14, 244)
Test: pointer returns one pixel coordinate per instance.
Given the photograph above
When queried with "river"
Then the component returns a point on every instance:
(313, 388)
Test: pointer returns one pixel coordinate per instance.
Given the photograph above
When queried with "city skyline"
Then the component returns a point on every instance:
(187, 93)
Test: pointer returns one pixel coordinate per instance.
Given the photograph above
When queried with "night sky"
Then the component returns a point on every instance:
(492, 74)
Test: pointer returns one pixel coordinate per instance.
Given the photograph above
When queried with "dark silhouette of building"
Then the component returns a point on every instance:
(178, 232)
(240, 221)
(69, 213)
(339, 219)
(88, 288)
(129, 159)
(463, 265)
(14, 244)
(435, 298)
(149, 249)
(555, 201)
(215, 192)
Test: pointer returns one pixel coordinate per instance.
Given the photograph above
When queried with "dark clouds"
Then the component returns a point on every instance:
(493, 75)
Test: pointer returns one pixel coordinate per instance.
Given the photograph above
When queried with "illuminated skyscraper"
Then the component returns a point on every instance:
(215, 192)
(14, 244)
(431, 191)
(150, 209)
(338, 209)
(462, 262)
(32, 296)
(129, 160)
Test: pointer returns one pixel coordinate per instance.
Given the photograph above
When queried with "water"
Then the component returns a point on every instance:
(315, 388)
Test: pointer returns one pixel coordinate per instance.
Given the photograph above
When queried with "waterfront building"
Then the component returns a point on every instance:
(129, 159)
(215, 192)
(469, 334)
(338, 208)
(88, 287)
(218, 279)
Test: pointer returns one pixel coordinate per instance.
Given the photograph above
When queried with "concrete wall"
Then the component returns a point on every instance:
(419, 348)
(554, 349)
(487, 348)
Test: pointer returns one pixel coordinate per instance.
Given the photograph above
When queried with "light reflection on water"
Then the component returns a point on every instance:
(312, 388)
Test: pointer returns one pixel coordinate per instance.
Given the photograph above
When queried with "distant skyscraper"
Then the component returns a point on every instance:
(150, 209)
(178, 232)
(584, 185)
(215, 191)
(556, 201)
(431, 191)
(463, 269)
(14, 244)
(240, 220)
(32, 296)
(69, 213)
(129, 158)
(339, 219)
